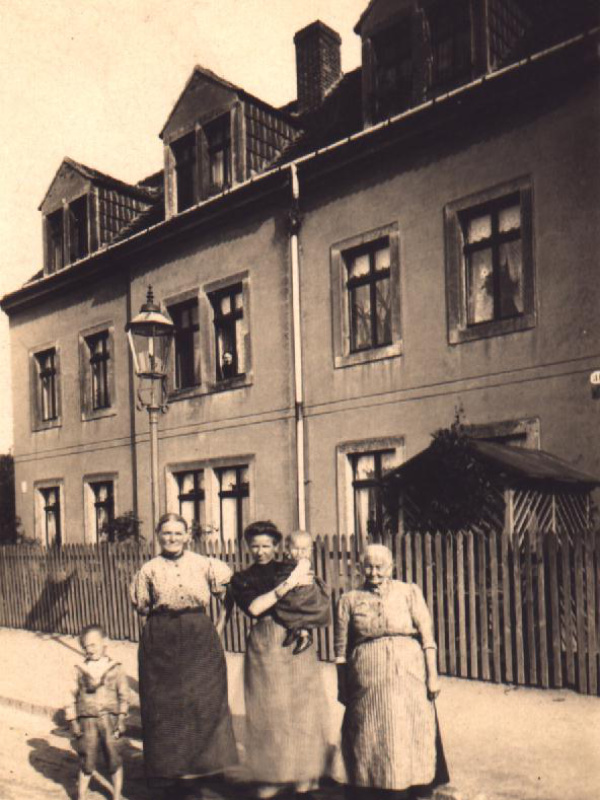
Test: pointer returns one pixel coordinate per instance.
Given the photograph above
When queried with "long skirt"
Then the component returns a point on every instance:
(286, 709)
(390, 737)
(186, 722)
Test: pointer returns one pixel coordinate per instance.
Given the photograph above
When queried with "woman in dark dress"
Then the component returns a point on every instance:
(286, 705)
(187, 730)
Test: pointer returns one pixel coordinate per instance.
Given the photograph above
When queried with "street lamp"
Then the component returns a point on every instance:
(150, 336)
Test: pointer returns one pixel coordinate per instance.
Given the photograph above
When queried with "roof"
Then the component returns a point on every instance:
(144, 192)
(145, 219)
(339, 116)
(511, 464)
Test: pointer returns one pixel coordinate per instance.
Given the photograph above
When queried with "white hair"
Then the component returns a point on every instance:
(377, 550)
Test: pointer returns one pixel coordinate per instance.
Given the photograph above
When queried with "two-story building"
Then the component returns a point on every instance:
(410, 240)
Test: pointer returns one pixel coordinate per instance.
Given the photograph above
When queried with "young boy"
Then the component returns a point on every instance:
(304, 607)
(97, 710)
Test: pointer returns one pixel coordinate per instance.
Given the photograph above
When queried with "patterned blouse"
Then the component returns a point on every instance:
(393, 609)
(177, 583)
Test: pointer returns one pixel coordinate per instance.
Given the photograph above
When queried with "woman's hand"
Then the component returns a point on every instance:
(433, 687)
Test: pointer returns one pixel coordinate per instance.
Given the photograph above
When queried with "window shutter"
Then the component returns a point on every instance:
(84, 377)
(36, 412)
(58, 382)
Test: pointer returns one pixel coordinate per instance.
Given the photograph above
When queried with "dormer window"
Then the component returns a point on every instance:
(450, 32)
(218, 138)
(184, 150)
(55, 241)
(78, 229)
(393, 70)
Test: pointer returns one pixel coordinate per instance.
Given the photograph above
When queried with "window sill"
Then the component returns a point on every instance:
(239, 382)
(367, 356)
(46, 426)
(488, 329)
(101, 413)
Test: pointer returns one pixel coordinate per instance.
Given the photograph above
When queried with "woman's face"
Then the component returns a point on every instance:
(262, 548)
(173, 537)
(376, 569)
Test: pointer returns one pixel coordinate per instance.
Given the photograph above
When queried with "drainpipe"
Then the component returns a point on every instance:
(295, 223)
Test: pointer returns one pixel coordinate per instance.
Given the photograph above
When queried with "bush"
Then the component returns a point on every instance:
(124, 528)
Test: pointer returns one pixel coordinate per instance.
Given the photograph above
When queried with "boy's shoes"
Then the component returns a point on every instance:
(290, 637)
(303, 643)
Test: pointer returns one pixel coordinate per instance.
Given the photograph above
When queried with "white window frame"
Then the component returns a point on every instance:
(342, 355)
(85, 372)
(39, 516)
(89, 516)
(345, 492)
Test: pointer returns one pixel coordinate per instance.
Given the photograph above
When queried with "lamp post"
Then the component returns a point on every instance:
(150, 334)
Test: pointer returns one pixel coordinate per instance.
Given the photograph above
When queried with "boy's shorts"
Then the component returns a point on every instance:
(99, 731)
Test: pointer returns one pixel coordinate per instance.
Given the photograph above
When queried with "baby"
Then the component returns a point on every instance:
(97, 710)
(304, 607)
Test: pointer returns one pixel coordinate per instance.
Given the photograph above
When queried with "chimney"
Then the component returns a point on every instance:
(318, 64)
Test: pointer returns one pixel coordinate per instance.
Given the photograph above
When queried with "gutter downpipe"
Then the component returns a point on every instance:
(295, 222)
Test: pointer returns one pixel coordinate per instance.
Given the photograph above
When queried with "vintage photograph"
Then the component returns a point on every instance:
(300, 392)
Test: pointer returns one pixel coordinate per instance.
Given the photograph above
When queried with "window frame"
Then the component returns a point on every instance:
(197, 496)
(40, 511)
(91, 533)
(208, 335)
(222, 125)
(38, 422)
(89, 411)
(459, 328)
(212, 488)
(174, 304)
(343, 355)
(346, 453)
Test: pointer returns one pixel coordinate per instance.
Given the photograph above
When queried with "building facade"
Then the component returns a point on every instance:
(402, 244)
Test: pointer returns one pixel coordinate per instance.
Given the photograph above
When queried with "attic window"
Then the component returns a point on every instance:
(55, 241)
(218, 137)
(450, 29)
(184, 150)
(393, 70)
(78, 229)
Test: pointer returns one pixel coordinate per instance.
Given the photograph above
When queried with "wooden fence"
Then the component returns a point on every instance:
(525, 616)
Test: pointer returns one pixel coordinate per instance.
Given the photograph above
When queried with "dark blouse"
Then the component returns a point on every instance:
(304, 606)
(257, 580)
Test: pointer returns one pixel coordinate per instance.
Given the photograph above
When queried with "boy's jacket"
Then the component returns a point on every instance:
(96, 695)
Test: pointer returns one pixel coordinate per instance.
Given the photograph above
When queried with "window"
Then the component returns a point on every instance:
(361, 465)
(190, 497)
(234, 494)
(78, 229)
(393, 70)
(184, 151)
(230, 332)
(54, 227)
(45, 388)
(367, 471)
(523, 433)
(368, 287)
(47, 385)
(218, 138)
(50, 516)
(186, 344)
(99, 358)
(450, 31)
(490, 264)
(365, 274)
(102, 502)
(96, 348)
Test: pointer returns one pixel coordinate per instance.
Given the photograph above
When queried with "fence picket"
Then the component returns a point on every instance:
(439, 606)
(554, 592)
(506, 619)
(531, 643)
(460, 591)
(494, 601)
(408, 558)
(580, 617)
(542, 614)
(417, 549)
(591, 617)
(428, 573)
(473, 638)
(450, 598)
(483, 608)
(568, 609)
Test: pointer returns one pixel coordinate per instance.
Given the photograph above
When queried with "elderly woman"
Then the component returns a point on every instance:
(187, 730)
(387, 678)
(286, 706)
